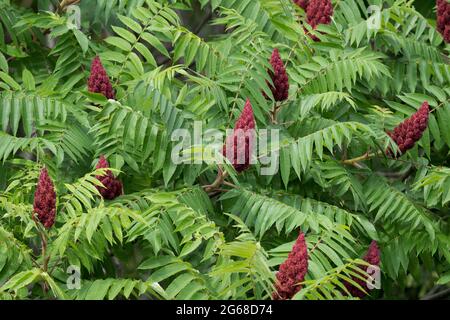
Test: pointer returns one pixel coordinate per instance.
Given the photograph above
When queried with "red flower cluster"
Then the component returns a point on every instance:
(113, 186)
(280, 88)
(319, 12)
(99, 81)
(443, 19)
(302, 3)
(292, 271)
(373, 258)
(407, 133)
(45, 200)
(241, 140)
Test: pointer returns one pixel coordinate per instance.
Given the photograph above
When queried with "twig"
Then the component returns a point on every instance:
(35, 263)
(54, 266)
(45, 259)
(65, 3)
(216, 192)
(398, 175)
(316, 245)
(437, 295)
(365, 156)
(221, 175)
(273, 113)
(230, 184)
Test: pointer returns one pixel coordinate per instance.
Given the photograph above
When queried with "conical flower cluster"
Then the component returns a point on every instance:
(280, 88)
(373, 258)
(113, 186)
(302, 3)
(443, 18)
(45, 200)
(407, 133)
(240, 143)
(292, 272)
(318, 12)
(99, 81)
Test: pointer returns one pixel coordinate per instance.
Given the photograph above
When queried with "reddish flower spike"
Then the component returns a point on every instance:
(407, 133)
(447, 34)
(302, 3)
(443, 19)
(280, 87)
(292, 272)
(241, 140)
(113, 186)
(373, 258)
(318, 12)
(45, 200)
(99, 81)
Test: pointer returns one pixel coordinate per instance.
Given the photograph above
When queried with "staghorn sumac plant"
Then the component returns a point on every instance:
(136, 143)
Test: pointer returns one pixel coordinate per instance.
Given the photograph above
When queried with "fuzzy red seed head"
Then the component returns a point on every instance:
(292, 272)
(373, 258)
(45, 200)
(407, 133)
(447, 34)
(302, 3)
(280, 87)
(241, 141)
(373, 254)
(102, 163)
(318, 12)
(443, 19)
(113, 186)
(99, 81)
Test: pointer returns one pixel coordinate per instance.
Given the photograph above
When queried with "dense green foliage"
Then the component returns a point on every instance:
(175, 62)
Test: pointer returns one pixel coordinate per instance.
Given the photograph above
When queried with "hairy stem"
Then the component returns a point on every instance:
(45, 258)
(365, 156)
(65, 3)
(221, 175)
(273, 113)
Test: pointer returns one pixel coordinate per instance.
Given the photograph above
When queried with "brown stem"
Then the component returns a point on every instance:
(35, 263)
(440, 294)
(273, 113)
(230, 184)
(216, 192)
(45, 258)
(221, 175)
(365, 156)
(65, 3)
(44, 254)
(55, 265)
(316, 245)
